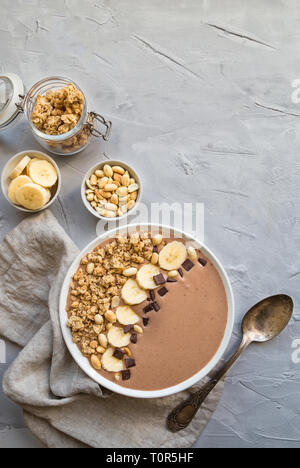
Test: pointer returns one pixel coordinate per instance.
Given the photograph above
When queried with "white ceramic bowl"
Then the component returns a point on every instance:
(91, 171)
(83, 362)
(11, 163)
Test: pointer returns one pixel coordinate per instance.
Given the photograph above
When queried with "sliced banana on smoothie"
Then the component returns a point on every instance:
(132, 293)
(32, 196)
(145, 276)
(20, 167)
(116, 337)
(14, 185)
(42, 172)
(126, 316)
(172, 256)
(110, 363)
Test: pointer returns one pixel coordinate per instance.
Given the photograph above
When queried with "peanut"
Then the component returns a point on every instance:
(115, 302)
(93, 179)
(108, 170)
(125, 180)
(90, 268)
(172, 273)
(95, 362)
(130, 271)
(98, 319)
(154, 258)
(105, 194)
(133, 195)
(102, 182)
(114, 199)
(118, 169)
(157, 239)
(110, 206)
(138, 329)
(117, 177)
(110, 316)
(192, 253)
(102, 340)
(110, 187)
(122, 191)
(130, 204)
(133, 188)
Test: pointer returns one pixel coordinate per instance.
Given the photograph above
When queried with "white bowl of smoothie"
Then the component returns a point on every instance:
(146, 311)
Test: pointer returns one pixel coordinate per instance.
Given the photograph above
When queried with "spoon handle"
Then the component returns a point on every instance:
(183, 414)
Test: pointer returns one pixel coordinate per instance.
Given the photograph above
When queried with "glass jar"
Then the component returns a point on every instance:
(71, 142)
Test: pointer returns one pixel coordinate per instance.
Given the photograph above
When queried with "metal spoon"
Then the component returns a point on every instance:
(262, 323)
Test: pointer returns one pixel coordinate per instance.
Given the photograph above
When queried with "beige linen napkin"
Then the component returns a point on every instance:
(62, 406)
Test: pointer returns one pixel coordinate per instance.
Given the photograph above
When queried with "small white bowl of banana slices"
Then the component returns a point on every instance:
(31, 181)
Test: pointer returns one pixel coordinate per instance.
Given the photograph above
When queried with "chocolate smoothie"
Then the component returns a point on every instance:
(177, 326)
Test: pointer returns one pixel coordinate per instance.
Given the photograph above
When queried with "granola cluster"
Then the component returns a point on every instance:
(95, 290)
(73, 144)
(57, 112)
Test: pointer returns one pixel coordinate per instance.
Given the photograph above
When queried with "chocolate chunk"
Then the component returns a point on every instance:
(118, 353)
(202, 261)
(129, 362)
(163, 291)
(145, 321)
(159, 279)
(180, 272)
(133, 338)
(148, 308)
(156, 307)
(125, 374)
(152, 295)
(149, 299)
(128, 328)
(188, 264)
(171, 280)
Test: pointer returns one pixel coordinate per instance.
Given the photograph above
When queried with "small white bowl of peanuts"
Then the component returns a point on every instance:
(111, 190)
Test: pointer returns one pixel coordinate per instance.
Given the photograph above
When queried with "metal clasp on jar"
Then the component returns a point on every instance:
(20, 105)
(92, 116)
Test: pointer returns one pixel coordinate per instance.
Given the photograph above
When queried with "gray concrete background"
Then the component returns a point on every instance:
(199, 93)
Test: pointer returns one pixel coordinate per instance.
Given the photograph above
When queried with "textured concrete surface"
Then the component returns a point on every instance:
(199, 93)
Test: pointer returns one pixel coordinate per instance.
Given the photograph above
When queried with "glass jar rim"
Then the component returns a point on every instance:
(63, 136)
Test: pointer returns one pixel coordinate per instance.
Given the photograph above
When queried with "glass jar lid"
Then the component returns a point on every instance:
(11, 92)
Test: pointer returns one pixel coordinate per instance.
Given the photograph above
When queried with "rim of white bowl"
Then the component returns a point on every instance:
(5, 176)
(83, 362)
(111, 162)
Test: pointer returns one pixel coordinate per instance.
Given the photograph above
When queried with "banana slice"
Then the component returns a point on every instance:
(42, 172)
(116, 337)
(126, 316)
(145, 276)
(32, 196)
(132, 294)
(20, 167)
(110, 363)
(14, 185)
(172, 256)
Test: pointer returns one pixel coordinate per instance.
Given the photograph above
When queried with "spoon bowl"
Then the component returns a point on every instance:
(268, 318)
